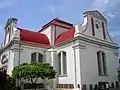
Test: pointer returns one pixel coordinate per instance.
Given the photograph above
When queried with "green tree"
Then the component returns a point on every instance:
(7, 82)
(10, 82)
(32, 72)
(118, 71)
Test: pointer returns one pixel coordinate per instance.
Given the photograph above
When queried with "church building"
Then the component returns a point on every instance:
(81, 54)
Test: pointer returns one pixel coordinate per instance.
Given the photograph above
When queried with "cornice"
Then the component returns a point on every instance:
(78, 46)
(81, 37)
(18, 42)
(34, 45)
(96, 42)
(91, 40)
(7, 46)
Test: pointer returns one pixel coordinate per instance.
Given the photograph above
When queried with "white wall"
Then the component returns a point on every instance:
(7, 38)
(89, 65)
(25, 55)
(10, 55)
(10, 62)
(69, 79)
(52, 32)
(47, 32)
(86, 28)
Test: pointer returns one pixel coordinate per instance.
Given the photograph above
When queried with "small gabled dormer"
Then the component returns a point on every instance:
(9, 29)
(54, 28)
(95, 25)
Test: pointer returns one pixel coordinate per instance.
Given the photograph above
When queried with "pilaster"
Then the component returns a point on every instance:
(52, 59)
(77, 64)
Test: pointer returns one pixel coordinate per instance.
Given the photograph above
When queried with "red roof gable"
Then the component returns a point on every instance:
(33, 37)
(58, 22)
(65, 36)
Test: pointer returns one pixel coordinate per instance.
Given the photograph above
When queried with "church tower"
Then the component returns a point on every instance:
(9, 29)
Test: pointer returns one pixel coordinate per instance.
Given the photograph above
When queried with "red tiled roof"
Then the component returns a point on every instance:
(33, 37)
(58, 22)
(65, 36)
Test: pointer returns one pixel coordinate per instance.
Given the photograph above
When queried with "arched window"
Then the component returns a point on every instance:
(101, 58)
(36, 57)
(62, 63)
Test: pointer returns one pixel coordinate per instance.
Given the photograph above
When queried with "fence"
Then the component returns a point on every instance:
(102, 86)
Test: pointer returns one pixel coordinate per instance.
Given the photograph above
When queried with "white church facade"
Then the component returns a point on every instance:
(82, 54)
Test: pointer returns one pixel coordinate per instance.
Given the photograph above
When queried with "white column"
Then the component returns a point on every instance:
(52, 59)
(77, 65)
(37, 58)
(48, 57)
(75, 74)
(61, 62)
(16, 49)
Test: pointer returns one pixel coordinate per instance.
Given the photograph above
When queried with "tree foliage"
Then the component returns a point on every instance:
(10, 81)
(33, 71)
(6, 81)
(118, 71)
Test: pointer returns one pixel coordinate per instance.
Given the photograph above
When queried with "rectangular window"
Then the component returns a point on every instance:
(99, 63)
(33, 57)
(64, 64)
(40, 58)
(104, 64)
(59, 61)
(102, 68)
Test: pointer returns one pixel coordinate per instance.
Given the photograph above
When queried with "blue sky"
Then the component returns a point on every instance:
(32, 14)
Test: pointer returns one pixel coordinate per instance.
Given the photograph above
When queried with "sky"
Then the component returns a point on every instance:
(33, 14)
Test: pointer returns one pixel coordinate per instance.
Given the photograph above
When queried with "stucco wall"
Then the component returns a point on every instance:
(69, 79)
(25, 55)
(47, 32)
(89, 69)
(10, 56)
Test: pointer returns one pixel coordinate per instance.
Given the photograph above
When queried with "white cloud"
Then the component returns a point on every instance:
(7, 3)
(115, 33)
(108, 7)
